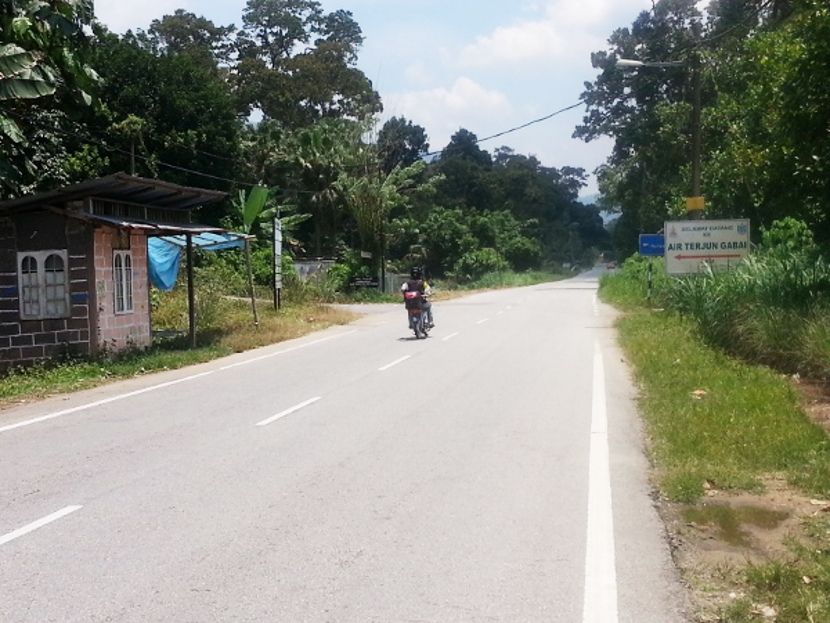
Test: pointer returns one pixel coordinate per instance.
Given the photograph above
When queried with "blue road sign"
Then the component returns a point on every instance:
(652, 244)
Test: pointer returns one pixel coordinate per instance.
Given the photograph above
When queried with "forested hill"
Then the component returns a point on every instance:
(77, 102)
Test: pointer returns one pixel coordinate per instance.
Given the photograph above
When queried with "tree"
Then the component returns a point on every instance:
(186, 33)
(400, 143)
(296, 63)
(185, 112)
(42, 58)
(371, 199)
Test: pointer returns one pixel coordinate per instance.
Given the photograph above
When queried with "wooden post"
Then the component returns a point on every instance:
(191, 293)
(251, 281)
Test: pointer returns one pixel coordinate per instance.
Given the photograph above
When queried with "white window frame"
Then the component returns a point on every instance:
(122, 278)
(42, 286)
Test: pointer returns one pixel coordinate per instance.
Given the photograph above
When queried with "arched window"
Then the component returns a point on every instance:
(55, 286)
(122, 274)
(29, 287)
(44, 284)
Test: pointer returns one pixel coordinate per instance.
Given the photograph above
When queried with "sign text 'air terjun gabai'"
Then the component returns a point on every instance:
(691, 245)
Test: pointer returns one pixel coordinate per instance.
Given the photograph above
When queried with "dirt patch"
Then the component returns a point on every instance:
(717, 537)
(816, 400)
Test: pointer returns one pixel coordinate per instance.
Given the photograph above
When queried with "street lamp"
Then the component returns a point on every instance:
(694, 203)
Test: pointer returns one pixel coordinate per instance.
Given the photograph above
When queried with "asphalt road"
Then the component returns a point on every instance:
(493, 472)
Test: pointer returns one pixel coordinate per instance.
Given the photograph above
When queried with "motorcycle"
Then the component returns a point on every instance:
(417, 317)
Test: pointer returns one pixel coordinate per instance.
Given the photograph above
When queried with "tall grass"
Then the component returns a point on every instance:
(773, 309)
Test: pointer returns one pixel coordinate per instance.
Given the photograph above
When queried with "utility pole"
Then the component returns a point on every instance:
(695, 203)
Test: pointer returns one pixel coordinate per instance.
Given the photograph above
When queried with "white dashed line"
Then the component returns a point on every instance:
(11, 536)
(293, 409)
(482, 321)
(394, 363)
(449, 337)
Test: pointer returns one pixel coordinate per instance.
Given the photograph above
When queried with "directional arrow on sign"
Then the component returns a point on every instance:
(707, 257)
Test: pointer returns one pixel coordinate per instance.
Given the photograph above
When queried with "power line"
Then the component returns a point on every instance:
(517, 128)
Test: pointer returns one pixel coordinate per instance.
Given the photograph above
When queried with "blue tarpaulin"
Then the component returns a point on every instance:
(164, 253)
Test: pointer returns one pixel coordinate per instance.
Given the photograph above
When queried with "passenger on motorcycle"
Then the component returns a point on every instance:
(416, 283)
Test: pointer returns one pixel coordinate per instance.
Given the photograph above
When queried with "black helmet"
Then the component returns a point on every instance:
(416, 273)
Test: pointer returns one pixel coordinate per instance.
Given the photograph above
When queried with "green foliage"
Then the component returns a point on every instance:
(42, 61)
(475, 264)
(400, 144)
(772, 309)
(788, 236)
(297, 63)
(766, 151)
(746, 423)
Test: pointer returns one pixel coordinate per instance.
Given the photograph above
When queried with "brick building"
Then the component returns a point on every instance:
(73, 264)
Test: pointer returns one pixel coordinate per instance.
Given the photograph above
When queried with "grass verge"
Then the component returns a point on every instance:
(716, 421)
(719, 423)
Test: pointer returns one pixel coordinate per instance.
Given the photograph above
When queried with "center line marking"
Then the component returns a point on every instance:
(11, 536)
(293, 409)
(449, 337)
(394, 363)
(482, 321)
(500, 312)
(600, 599)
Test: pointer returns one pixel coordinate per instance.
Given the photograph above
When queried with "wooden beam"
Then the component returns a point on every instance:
(191, 293)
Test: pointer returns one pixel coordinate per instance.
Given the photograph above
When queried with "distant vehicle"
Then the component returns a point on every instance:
(611, 265)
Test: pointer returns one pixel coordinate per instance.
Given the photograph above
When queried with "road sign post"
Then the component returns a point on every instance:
(691, 246)
(651, 245)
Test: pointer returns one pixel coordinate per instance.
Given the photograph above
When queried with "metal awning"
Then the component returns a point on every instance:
(126, 188)
(151, 227)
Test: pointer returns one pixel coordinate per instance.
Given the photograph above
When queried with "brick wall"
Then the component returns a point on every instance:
(24, 342)
(116, 332)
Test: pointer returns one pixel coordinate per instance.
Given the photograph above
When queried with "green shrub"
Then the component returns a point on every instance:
(475, 264)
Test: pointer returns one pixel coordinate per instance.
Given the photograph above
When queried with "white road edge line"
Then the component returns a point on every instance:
(449, 337)
(482, 321)
(98, 403)
(293, 409)
(138, 392)
(394, 363)
(286, 350)
(11, 536)
(600, 599)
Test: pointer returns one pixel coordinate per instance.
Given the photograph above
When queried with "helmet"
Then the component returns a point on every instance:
(416, 273)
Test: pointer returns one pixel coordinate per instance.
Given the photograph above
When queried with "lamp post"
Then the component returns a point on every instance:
(694, 203)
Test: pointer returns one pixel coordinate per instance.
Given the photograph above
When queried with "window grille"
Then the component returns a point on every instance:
(44, 284)
(122, 274)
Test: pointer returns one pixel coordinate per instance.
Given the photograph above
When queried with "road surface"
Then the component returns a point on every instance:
(493, 472)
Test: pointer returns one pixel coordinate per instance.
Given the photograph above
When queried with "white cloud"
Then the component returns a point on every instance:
(563, 30)
(418, 74)
(444, 110)
(122, 15)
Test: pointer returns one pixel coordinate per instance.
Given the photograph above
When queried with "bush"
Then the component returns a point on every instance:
(475, 264)
(772, 309)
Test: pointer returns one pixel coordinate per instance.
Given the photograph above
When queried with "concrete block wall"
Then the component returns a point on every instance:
(23, 342)
(117, 332)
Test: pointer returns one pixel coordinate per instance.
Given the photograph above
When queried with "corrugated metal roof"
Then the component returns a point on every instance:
(123, 187)
(151, 227)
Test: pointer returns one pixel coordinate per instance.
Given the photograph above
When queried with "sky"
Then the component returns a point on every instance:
(483, 65)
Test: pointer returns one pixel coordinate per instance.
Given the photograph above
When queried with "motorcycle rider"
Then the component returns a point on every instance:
(417, 283)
